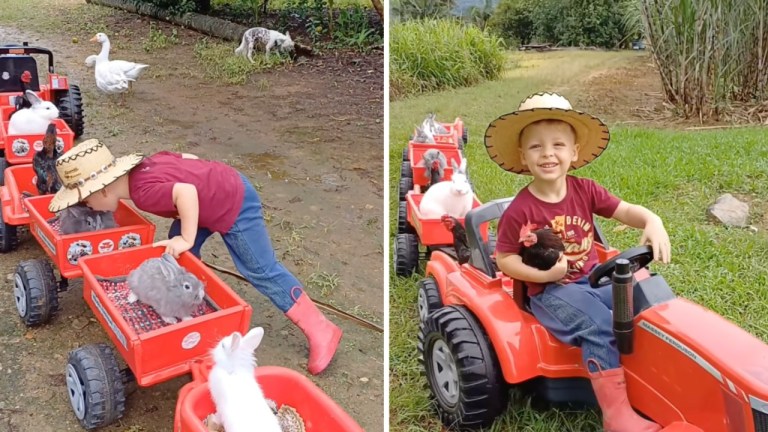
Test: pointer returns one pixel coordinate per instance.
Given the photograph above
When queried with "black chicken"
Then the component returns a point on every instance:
(541, 248)
(44, 164)
(460, 244)
(21, 101)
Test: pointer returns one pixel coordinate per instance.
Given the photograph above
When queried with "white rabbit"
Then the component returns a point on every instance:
(452, 197)
(33, 120)
(240, 403)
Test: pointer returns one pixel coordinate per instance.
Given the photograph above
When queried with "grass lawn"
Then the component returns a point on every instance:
(675, 174)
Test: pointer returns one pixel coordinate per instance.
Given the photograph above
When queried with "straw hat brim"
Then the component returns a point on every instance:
(68, 197)
(502, 137)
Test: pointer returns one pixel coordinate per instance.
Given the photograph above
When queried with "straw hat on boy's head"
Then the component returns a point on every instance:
(87, 168)
(502, 137)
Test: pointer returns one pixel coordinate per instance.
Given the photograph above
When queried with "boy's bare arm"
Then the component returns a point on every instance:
(187, 204)
(654, 232)
(185, 199)
(512, 265)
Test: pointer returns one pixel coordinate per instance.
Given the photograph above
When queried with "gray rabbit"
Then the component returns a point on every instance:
(166, 286)
(423, 135)
(80, 218)
(432, 125)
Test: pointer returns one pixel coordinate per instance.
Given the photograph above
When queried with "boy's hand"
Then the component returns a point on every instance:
(560, 269)
(655, 235)
(175, 246)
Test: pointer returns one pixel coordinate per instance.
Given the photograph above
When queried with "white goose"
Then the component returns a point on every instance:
(130, 69)
(110, 75)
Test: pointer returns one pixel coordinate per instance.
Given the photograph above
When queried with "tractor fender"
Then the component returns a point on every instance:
(439, 267)
(507, 329)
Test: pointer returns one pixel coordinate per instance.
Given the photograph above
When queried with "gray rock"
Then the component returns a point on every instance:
(729, 211)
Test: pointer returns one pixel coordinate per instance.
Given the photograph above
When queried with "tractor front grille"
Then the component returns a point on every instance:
(761, 420)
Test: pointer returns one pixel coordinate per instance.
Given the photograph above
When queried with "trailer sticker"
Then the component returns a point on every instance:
(20, 147)
(191, 340)
(111, 323)
(682, 348)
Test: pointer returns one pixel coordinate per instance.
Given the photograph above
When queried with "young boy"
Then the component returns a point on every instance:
(204, 197)
(545, 138)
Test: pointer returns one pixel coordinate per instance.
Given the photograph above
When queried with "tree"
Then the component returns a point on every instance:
(479, 15)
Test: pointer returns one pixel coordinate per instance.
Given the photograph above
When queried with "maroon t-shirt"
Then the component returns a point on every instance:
(570, 218)
(220, 188)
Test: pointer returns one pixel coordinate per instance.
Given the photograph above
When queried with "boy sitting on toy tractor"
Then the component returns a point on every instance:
(545, 138)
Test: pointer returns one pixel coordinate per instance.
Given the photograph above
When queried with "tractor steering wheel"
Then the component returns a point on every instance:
(638, 257)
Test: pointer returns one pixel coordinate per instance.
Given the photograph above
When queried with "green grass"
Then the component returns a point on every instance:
(675, 174)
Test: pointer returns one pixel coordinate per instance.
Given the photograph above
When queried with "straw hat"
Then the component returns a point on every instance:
(87, 168)
(502, 138)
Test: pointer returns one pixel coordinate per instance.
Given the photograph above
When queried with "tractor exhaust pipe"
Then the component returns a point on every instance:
(623, 311)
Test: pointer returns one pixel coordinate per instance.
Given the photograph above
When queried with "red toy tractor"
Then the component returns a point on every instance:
(18, 72)
(687, 368)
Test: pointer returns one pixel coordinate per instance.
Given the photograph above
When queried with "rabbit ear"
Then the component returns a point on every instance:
(168, 266)
(252, 340)
(235, 342)
(32, 97)
(454, 166)
(170, 259)
(287, 35)
(463, 166)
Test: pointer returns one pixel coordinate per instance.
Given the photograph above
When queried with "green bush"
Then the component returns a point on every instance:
(437, 54)
(566, 23)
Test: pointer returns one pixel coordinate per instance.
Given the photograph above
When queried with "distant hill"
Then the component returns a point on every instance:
(463, 5)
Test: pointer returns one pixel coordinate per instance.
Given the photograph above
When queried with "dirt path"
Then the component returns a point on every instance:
(310, 137)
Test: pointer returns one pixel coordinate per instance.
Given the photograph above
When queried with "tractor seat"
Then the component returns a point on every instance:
(11, 69)
(481, 257)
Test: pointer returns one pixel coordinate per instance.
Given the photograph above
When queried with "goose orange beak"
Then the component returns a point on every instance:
(93, 39)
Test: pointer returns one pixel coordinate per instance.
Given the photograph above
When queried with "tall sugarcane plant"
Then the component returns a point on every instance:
(711, 54)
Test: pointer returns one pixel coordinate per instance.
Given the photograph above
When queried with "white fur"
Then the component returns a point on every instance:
(33, 120)
(267, 38)
(452, 197)
(240, 403)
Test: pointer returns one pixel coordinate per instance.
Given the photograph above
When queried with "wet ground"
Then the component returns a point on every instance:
(310, 137)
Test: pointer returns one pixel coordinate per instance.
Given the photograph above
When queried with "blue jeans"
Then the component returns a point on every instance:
(251, 250)
(580, 315)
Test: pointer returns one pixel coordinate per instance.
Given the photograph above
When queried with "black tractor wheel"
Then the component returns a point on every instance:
(403, 226)
(9, 238)
(35, 291)
(406, 170)
(3, 165)
(462, 370)
(429, 298)
(95, 386)
(405, 154)
(465, 135)
(406, 185)
(406, 252)
(70, 105)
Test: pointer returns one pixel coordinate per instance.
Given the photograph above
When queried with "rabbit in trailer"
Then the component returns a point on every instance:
(430, 123)
(169, 288)
(423, 135)
(80, 218)
(35, 119)
(240, 402)
(452, 197)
